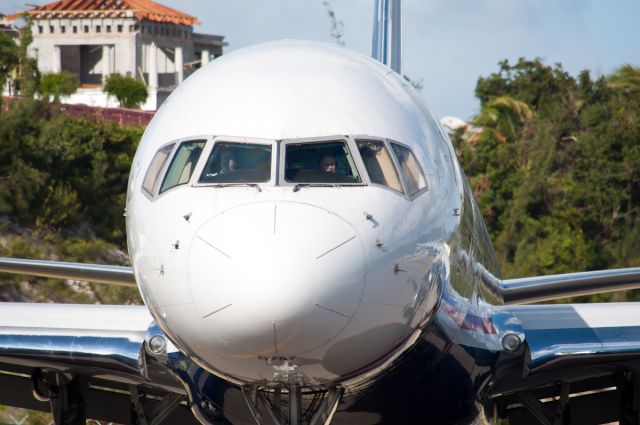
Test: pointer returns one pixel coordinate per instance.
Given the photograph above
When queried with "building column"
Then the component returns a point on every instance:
(178, 61)
(152, 86)
(56, 64)
(153, 67)
(106, 62)
(204, 57)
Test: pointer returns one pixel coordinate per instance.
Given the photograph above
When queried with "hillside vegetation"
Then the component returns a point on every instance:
(62, 194)
(554, 162)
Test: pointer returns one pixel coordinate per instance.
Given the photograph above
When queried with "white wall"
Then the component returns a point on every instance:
(123, 56)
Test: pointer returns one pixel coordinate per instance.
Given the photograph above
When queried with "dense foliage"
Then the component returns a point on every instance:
(16, 65)
(554, 162)
(130, 92)
(56, 85)
(62, 192)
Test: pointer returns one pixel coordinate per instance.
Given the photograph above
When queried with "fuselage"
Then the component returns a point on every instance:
(283, 272)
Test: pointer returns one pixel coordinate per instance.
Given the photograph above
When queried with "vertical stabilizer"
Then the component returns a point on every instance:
(387, 33)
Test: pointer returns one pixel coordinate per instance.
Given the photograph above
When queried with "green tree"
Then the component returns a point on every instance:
(28, 75)
(9, 58)
(63, 183)
(626, 79)
(503, 117)
(555, 167)
(130, 92)
(57, 85)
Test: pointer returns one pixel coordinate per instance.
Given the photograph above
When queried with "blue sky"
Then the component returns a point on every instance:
(447, 43)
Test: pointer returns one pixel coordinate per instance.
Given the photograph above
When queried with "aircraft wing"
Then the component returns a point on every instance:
(98, 273)
(589, 353)
(545, 288)
(67, 357)
(97, 360)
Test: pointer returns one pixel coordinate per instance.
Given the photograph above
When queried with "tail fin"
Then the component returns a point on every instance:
(387, 33)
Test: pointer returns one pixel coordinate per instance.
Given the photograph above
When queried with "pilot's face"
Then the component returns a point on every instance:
(328, 164)
(228, 163)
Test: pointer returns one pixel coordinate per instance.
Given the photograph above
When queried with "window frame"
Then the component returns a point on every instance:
(351, 146)
(163, 171)
(172, 158)
(208, 148)
(156, 184)
(394, 160)
(425, 189)
(278, 154)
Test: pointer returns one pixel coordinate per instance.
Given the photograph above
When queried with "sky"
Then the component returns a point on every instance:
(447, 44)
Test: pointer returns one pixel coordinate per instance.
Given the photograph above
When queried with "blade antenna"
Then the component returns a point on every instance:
(387, 33)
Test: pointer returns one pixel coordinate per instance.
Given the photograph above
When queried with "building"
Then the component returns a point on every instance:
(7, 27)
(138, 38)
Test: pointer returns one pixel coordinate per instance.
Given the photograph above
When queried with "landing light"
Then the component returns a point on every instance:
(511, 342)
(157, 344)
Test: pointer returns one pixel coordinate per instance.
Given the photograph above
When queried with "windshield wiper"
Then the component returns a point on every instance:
(221, 185)
(301, 185)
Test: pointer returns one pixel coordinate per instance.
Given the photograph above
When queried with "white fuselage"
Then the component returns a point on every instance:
(261, 283)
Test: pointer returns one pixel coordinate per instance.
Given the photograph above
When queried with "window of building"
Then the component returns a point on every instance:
(108, 28)
(98, 28)
(40, 29)
(51, 29)
(182, 164)
(320, 162)
(63, 29)
(157, 164)
(238, 163)
(133, 28)
(410, 169)
(86, 28)
(379, 164)
(74, 29)
(120, 28)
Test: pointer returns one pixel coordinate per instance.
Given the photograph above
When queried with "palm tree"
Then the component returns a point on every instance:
(503, 117)
(626, 79)
(9, 58)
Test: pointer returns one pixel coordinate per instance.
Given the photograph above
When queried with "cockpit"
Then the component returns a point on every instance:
(322, 162)
(237, 163)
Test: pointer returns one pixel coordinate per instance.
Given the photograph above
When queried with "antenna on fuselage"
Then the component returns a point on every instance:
(387, 33)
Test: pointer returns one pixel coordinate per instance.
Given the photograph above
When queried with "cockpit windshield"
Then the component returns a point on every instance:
(238, 163)
(327, 162)
(379, 164)
(300, 163)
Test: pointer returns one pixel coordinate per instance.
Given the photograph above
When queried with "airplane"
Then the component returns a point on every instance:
(309, 252)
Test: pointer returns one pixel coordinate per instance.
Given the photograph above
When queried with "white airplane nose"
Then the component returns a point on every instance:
(275, 278)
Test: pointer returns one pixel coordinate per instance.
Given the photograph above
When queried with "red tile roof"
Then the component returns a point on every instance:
(140, 9)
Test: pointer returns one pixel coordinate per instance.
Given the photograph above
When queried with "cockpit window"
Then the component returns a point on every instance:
(379, 164)
(410, 169)
(157, 164)
(182, 164)
(320, 162)
(238, 163)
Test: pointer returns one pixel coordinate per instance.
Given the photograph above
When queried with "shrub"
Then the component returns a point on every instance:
(56, 85)
(130, 92)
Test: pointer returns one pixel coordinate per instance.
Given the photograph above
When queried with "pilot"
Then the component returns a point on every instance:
(228, 162)
(328, 164)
